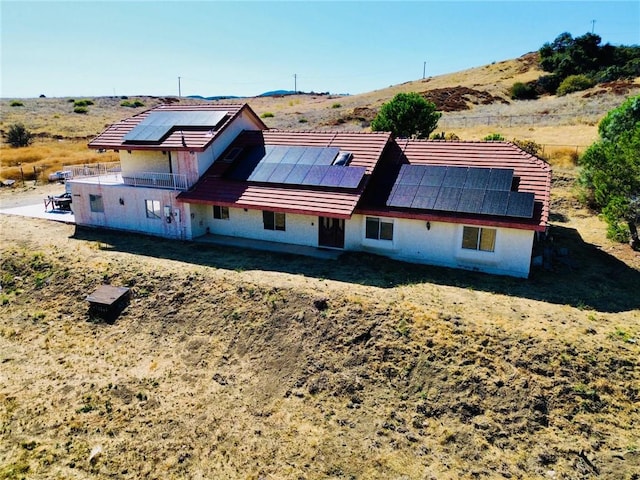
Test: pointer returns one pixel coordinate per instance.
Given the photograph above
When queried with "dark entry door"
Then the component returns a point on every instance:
(331, 232)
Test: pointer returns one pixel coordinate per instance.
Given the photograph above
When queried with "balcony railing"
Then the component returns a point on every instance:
(137, 179)
(92, 169)
(173, 181)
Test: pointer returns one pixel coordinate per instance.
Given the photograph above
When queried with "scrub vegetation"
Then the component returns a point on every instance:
(242, 364)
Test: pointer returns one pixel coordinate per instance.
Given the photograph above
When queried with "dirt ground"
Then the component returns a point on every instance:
(252, 365)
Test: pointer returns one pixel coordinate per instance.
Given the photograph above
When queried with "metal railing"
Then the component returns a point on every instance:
(92, 169)
(173, 181)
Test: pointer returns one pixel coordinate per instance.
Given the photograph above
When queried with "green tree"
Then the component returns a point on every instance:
(19, 136)
(407, 115)
(610, 172)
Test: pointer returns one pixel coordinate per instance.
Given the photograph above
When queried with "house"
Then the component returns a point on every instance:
(189, 171)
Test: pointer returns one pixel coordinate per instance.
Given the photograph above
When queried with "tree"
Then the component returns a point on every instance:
(611, 172)
(19, 136)
(407, 115)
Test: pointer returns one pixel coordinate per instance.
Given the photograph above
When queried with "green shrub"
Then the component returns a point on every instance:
(494, 137)
(19, 136)
(529, 146)
(267, 115)
(303, 120)
(80, 110)
(523, 91)
(336, 105)
(16, 103)
(445, 136)
(129, 104)
(71, 100)
(574, 83)
(82, 103)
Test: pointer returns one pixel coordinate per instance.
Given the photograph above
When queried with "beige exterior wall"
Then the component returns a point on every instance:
(133, 161)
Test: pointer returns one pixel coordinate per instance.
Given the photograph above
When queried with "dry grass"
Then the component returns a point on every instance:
(559, 123)
(235, 364)
(47, 156)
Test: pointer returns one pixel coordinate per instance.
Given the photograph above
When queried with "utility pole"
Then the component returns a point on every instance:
(424, 70)
(593, 25)
(295, 82)
(179, 90)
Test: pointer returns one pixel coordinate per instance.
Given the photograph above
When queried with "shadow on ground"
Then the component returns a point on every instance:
(579, 274)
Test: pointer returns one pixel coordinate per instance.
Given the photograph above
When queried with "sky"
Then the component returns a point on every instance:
(243, 48)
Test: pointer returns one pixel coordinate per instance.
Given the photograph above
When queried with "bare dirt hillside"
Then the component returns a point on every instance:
(240, 364)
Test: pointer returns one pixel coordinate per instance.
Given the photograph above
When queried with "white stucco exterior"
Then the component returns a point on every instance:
(125, 208)
(441, 244)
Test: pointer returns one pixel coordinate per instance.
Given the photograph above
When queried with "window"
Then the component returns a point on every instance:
(476, 238)
(273, 221)
(95, 202)
(378, 229)
(153, 208)
(221, 213)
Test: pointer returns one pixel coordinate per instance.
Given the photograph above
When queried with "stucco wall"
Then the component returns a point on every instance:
(143, 161)
(441, 244)
(125, 209)
(300, 229)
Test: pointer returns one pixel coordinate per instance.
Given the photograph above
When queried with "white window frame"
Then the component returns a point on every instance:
(481, 239)
(153, 209)
(382, 226)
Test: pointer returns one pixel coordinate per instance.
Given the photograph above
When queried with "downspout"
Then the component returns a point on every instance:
(170, 168)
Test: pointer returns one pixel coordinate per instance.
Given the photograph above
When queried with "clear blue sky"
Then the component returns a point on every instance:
(91, 48)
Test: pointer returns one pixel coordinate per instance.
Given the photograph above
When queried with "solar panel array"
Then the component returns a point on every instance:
(292, 165)
(156, 125)
(485, 191)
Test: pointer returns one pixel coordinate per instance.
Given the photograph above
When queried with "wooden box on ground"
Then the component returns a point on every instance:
(107, 302)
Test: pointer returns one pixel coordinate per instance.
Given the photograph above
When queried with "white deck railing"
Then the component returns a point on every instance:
(92, 169)
(173, 181)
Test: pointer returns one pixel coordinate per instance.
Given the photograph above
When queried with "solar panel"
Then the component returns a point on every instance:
(455, 177)
(448, 199)
(280, 173)
(327, 155)
(310, 155)
(477, 178)
(495, 202)
(520, 204)
(298, 172)
(433, 176)
(333, 176)
(262, 172)
(500, 179)
(275, 154)
(399, 200)
(425, 197)
(155, 126)
(411, 174)
(471, 200)
(352, 177)
(314, 177)
(293, 154)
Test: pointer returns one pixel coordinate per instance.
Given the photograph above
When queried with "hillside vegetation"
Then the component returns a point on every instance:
(241, 364)
(475, 103)
(235, 364)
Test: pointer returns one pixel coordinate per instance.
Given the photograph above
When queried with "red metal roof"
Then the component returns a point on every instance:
(213, 188)
(195, 139)
(534, 175)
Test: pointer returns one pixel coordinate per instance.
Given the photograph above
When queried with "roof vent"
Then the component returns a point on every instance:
(343, 159)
